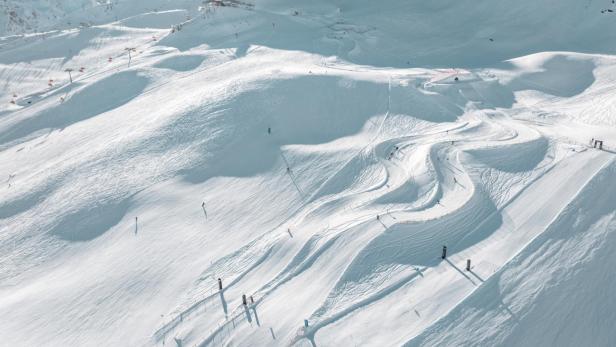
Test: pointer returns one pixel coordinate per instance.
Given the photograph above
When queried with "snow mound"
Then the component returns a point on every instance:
(318, 158)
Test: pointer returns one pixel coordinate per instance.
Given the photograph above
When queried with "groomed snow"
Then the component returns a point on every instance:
(315, 156)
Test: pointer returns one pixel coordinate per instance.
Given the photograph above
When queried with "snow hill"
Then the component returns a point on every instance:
(315, 156)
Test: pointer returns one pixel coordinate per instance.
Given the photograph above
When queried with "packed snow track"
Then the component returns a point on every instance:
(276, 173)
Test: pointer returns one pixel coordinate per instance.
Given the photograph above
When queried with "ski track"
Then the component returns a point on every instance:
(352, 223)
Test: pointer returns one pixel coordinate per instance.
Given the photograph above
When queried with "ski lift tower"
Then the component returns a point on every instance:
(129, 50)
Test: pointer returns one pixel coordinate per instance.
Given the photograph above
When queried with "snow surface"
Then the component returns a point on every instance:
(316, 156)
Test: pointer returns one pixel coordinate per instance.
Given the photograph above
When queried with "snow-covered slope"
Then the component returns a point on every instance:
(315, 156)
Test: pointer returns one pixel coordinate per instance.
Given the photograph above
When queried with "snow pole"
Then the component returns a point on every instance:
(468, 265)
(444, 255)
(252, 300)
(220, 284)
(244, 300)
(305, 323)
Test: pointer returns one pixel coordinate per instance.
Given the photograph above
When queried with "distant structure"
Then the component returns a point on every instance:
(70, 76)
(597, 144)
(129, 50)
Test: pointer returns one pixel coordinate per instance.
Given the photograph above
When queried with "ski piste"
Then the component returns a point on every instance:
(307, 173)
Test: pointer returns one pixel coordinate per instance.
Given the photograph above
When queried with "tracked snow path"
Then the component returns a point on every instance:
(534, 207)
(439, 289)
(541, 297)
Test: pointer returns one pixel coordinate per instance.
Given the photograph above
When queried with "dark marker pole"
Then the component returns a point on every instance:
(468, 265)
(244, 300)
(219, 284)
(444, 255)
